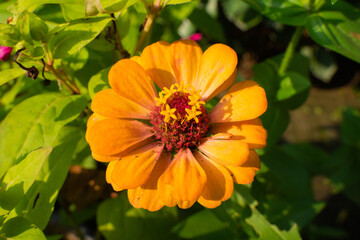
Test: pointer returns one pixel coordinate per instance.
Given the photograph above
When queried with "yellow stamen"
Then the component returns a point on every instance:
(168, 113)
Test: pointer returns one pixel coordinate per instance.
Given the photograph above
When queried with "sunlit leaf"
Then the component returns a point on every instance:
(10, 74)
(9, 35)
(20, 177)
(35, 123)
(76, 35)
(21, 229)
(99, 82)
(42, 194)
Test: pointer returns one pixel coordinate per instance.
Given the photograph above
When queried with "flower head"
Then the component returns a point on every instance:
(5, 53)
(166, 148)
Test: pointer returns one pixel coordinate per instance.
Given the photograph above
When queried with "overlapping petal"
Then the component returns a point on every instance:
(155, 61)
(109, 170)
(225, 152)
(129, 80)
(219, 184)
(112, 136)
(183, 180)
(245, 173)
(251, 131)
(217, 65)
(134, 169)
(147, 195)
(244, 101)
(109, 103)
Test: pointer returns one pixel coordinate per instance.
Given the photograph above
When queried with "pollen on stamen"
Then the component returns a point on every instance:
(180, 120)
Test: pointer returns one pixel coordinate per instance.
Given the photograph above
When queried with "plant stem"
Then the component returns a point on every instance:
(290, 50)
(117, 40)
(152, 13)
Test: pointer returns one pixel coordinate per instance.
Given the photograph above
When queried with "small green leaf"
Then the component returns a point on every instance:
(99, 82)
(333, 1)
(35, 123)
(332, 29)
(10, 74)
(21, 229)
(76, 35)
(9, 35)
(294, 89)
(20, 177)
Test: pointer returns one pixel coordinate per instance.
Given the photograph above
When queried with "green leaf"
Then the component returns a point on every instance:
(76, 35)
(241, 14)
(99, 82)
(203, 225)
(332, 29)
(350, 128)
(74, 10)
(38, 203)
(35, 123)
(32, 27)
(19, 228)
(9, 35)
(20, 177)
(32, 4)
(117, 219)
(10, 74)
(333, 1)
(294, 90)
(292, 12)
(275, 121)
(111, 6)
(179, 1)
(261, 225)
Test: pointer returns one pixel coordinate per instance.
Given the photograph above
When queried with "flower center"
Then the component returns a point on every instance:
(180, 119)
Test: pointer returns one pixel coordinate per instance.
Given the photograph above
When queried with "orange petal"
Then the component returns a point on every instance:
(217, 64)
(154, 59)
(185, 204)
(227, 83)
(94, 118)
(112, 136)
(225, 152)
(130, 81)
(244, 101)
(147, 196)
(209, 203)
(219, 184)
(246, 172)
(184, 59)
(102, 158)
(134, 169)
(110, 104)
(109, 170)
(252, 132)
(184, 179)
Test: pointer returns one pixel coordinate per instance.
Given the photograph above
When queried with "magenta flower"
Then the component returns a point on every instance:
(5, 53)
(196, 37)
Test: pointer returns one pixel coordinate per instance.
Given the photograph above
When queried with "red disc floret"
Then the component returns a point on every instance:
(179, 133)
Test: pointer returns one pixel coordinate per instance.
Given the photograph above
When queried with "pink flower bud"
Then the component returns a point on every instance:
(5, 53)
(196, 37)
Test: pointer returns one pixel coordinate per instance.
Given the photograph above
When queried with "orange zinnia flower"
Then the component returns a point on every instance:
(166, 148)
